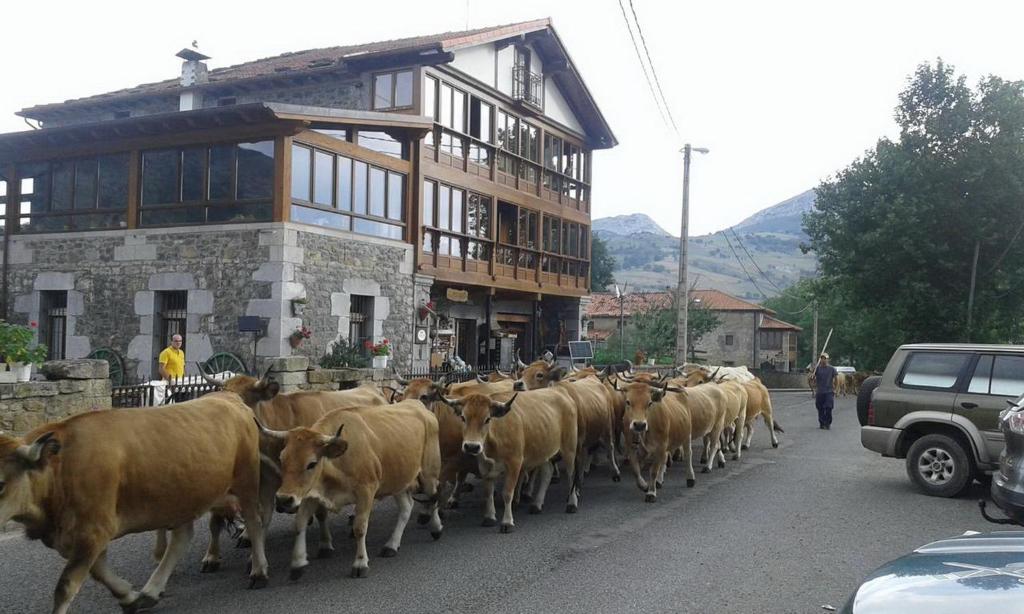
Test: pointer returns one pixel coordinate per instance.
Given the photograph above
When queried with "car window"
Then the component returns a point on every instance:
(1008, 376)
(982, 376)
(933, 369)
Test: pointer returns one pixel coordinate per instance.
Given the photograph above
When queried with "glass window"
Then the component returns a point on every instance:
(382, 91)
(1008, 376)
(428, 203)
(255, 170)
(444, 197)
(396, 193)
(403, 88)
(512, 134)
(552, 152)
(359, 186)
(480, 120)
(113, 182)
(459, 111)
(344, 183)
(323, 178)
(319, 217)
(445, 105)
(378, 229)
(85, 184)
(193, 173)
(457, 202)
(380, 141)
(63, 175)
(160, 177)
(222, 172)
(982, 376)
(377, 195)
(340, 134)
(430, 97)
(301, 172)
(933, 369)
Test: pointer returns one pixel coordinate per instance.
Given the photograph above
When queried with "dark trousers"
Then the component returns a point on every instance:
(824, 402)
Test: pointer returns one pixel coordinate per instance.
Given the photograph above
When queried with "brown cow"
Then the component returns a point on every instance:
(666, 418)
(386, 451)
(759, 403)
(79, 484)
(278, 412)
(543, 425)
(595, 415)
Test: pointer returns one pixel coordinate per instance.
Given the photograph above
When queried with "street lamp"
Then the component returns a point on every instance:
(682, 291)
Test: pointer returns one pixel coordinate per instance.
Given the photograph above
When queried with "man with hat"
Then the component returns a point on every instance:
(824, 396)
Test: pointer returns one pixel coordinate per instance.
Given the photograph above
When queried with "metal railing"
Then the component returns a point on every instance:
(156, 393)
(527, 86)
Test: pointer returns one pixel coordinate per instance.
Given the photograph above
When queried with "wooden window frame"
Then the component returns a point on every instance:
(393, 77)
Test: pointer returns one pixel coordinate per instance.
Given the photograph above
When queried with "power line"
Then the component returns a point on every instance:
(742, 266)
(754, 262)
(643, 67)
(654, 72)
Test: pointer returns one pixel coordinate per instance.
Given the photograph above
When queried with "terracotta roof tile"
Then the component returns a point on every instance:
(776, 324)
(312, 59)
(604, 304)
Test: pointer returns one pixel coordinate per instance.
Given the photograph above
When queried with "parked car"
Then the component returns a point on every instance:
(938, 406)
(980, 572)
(1008, 480)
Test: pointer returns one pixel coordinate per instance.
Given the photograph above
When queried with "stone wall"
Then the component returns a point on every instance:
(72, 387)
(739, 324)
(113, 279)
(296, 373)
(331, 268)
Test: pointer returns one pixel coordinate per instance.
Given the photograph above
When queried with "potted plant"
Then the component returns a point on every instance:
(17, 350)
(380, 352)
(299, 335)
(298, 306)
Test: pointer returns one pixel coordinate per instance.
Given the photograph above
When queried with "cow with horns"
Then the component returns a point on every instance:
(386, 451)
(81, 483)
(280, 412)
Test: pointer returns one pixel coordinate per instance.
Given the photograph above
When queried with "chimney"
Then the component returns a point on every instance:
(193, 72)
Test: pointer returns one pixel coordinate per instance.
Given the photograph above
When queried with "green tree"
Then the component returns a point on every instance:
(655, 329)
(895, 232)
(602, 264)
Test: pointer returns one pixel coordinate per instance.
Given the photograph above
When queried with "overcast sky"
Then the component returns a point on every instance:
(783, 93)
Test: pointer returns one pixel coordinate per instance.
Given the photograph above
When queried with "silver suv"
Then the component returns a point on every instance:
(938, 405)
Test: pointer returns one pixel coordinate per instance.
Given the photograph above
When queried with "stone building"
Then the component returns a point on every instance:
(434, 191)
(749, 334)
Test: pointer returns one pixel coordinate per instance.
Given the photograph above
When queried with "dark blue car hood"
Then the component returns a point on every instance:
(975, 574)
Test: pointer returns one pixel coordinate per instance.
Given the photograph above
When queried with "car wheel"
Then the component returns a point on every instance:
(864, 397)
(939, 466)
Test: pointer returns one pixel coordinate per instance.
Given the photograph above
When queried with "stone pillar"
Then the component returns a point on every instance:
(421, 296)
(279, 270)
(289, 372)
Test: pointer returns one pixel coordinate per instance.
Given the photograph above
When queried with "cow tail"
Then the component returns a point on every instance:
(776, 426)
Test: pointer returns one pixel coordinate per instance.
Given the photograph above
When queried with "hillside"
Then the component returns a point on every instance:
(647, 258)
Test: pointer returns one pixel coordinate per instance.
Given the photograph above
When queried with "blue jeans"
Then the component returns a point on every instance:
(824, 401)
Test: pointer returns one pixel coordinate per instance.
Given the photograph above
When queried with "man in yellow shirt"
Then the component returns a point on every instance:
(172, 360)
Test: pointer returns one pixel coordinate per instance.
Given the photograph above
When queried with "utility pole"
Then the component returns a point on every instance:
(814, 357)
(970, 296)
(682, 289)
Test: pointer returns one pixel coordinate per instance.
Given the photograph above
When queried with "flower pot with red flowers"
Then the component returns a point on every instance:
(380, 352)
(17, 349)
(299, 335)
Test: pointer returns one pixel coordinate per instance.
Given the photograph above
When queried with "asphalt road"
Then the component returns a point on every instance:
(785, 530)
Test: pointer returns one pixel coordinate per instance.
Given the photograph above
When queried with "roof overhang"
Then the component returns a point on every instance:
(270, 117)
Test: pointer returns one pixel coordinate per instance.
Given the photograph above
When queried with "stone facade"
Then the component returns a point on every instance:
(72, 389)
(113, 280)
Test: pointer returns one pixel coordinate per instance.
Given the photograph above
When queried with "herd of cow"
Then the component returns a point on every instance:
(246, 450)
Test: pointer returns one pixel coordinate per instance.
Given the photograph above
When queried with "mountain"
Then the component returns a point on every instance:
(625, 225)
(768, 246)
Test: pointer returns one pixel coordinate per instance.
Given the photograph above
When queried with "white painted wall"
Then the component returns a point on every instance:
(506, 58)
(477, 62)
(556, 107)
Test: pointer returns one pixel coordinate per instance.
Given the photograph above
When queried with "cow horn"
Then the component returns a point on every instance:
(337, 434)
(480, 378)
(712, 378)
(630, 363)
(280, 435)
(213, 381)
(503, 374)
(34, 451)
(519, 361)
(398, 378)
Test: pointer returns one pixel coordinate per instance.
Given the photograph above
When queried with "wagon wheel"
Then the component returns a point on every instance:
(224, 361)
(116, 369)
